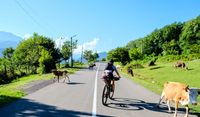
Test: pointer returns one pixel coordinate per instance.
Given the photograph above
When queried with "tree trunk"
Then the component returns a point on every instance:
(65, 63)
(5, 72)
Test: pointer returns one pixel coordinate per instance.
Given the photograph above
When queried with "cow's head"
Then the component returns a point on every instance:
(193, 93)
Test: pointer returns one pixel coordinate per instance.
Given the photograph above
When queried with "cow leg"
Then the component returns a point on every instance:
(54, 79)
(65, 78)
(68, 78)
(176, 108)
(168, 105)
(58, 78)
(187, 111)
(161, 97)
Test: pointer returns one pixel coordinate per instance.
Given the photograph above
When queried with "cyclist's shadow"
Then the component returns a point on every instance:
(134, 104)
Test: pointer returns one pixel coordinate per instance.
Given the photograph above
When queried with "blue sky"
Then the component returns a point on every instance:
(100, 25)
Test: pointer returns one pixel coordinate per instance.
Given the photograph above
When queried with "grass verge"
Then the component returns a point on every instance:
(154, 77)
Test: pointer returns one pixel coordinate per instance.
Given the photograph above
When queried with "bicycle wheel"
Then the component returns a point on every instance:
(112, 90)
(105, 95)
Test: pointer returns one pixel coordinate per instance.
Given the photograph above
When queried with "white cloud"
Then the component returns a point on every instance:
(59, 42)
(27, 36)
(87, 46)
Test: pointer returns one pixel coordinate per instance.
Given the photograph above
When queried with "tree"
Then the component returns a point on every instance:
(8, 53)
(135, 54)
(8, 62)
(96, 56)
(119, 54)
(190, 34)
(171, 48)
(46, 62)
(195, 49)
(153, 43)
(87, 55)
(28, 52)
(66, 51)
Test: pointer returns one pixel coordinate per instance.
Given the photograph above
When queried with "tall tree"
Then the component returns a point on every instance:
(28, 52)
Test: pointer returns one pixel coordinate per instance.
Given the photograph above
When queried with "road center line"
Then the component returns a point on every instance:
(94, 107)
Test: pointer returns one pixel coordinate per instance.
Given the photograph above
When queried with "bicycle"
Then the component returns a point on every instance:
(108, 90)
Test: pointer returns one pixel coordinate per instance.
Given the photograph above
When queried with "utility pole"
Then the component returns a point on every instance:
(60, 48)
(82, 54)
(72, 50)
(60, 43)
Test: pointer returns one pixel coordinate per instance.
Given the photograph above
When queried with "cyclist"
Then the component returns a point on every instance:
(108, 71)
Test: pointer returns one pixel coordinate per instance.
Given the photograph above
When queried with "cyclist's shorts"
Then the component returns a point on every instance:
(108, 76)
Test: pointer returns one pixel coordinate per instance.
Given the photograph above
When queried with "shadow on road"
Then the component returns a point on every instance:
(137, 105)
(26, 107)
(75, 83)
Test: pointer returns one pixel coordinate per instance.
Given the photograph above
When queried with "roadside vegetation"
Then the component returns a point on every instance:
(34, 55)
(152, 57)
(32, 60)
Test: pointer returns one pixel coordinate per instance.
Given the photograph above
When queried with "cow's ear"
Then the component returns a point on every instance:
(199, 91)
(187, 88)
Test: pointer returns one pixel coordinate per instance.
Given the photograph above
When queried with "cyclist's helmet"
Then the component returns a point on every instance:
(111, 61)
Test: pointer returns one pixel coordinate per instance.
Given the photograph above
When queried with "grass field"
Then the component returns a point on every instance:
(154, 77)
(11, 91)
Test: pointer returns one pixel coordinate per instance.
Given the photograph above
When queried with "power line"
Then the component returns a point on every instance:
(36, 13)
(30, 16)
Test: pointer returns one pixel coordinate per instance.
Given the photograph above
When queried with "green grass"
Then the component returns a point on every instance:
(154, 77)
(11, 92)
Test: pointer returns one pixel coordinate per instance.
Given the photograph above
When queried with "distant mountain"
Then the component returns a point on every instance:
(8, 40)
(1, 50)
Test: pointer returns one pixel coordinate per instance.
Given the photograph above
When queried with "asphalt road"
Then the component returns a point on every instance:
(82, 97)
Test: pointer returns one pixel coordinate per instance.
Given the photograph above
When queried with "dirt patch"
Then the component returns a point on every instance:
(35, 85)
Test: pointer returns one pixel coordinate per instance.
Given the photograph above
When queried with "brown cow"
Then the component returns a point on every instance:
(180, 64)
(179, 93)
(58, 73)
(91, 66)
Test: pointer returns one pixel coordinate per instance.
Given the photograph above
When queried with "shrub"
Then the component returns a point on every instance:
(133, 65)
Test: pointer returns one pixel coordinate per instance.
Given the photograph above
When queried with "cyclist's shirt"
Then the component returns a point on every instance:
(109, 70)
(110, 67)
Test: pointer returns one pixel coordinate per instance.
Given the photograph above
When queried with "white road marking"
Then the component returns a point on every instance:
(94, 107)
